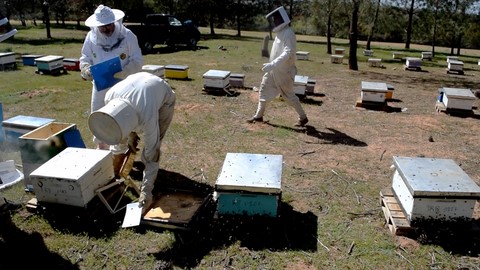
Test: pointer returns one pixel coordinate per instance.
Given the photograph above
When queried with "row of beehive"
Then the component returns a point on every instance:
(42, 62)
(451, 98)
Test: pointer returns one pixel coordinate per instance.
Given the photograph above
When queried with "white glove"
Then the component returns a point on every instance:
(267, 67)
(85, 72)
(132, 141)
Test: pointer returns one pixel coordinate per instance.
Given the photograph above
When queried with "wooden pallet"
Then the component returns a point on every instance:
(395, 219)
(372, 105)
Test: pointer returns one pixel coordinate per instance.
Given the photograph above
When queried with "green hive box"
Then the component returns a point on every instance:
(45, 142)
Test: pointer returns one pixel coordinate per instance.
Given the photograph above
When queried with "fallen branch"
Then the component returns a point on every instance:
(304, 172)
(403, 257)
(381, 157)
(307, 153)
(320, 242)
(350, 249)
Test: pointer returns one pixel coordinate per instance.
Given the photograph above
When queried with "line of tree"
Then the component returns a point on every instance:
(448, 23)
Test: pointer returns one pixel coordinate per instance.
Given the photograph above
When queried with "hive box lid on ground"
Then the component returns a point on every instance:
(430, 188)
(258, 173)
(72, 176)
(216, 78)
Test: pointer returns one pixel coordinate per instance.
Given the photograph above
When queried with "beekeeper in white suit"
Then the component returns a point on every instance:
(107, 39)
(141, 103)
(281, 70)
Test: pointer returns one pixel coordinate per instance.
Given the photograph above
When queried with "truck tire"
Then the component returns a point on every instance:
(147, 47)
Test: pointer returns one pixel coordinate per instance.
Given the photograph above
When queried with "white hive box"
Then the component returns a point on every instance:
(339, 51)
(237, 80)
(450, 58)
(374, 62)
(457, 98)
(300, 84)
(398, 55)
(216, 78)
(455, 65)
(336, 58)
(7, 58)
(427, 55)
(49, 63)
(156, 70)
(72, 176)
(368, 52)
(249, 184)
(302, 55)
(429, 188)
(374, 91)
(413, 62)
(310, 86)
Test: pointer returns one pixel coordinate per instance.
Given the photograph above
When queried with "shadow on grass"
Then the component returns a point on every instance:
(174, 49)
(333, 137)
(291, 230)
(23, 250)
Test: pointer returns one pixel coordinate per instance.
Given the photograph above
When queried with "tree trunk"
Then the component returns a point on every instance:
(47, 18)
(352, 58)
(372, 29)
(329, 32)
(409, 25)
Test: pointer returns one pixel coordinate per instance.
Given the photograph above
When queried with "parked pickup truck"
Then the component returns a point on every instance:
(164, 29)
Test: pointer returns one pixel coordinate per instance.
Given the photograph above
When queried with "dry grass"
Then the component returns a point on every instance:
(332, 174)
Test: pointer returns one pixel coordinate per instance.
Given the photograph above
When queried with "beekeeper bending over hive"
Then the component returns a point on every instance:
(140, 103)
(108, 38)
(281, 70)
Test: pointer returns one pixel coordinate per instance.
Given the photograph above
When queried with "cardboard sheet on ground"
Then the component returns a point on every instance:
(174, 209)
(9, 175)
(103, 73)
(133, 215)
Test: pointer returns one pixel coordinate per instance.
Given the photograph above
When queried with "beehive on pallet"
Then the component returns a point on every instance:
(456, 98)
(50, 64)
(310, 90)
(452, 58)
(431, 189)
(72, 64)
(427, 56)
(72, 176)
(19, 125)
(302, 55)
(398, 55)
(373, 92)
(249, 184)
(157, 70)
(368, 52)
(336, 59)
(29, 59)
(300, 84)
(374, 62)
(237, 80)
(176, 72)
(413, 63)
(339, 51)
(216, 78)
(455, 66)
(8, 60)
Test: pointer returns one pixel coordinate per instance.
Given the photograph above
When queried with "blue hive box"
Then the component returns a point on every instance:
(249, 184)
(29, 59)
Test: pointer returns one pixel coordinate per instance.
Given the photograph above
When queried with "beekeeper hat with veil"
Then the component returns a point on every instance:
(278, 18)
(113, 122)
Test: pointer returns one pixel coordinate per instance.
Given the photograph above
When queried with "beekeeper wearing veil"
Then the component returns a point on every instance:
(141, 103)
(281, 70)
(107, 39)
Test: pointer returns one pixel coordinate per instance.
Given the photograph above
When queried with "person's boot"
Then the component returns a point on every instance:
(255, 119)
(301, 122)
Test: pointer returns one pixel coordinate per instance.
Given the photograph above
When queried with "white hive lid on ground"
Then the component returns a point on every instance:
(251, 172)
(435, 177)
(152, 67)
(458, 93)
(216, 74)
(374, 86)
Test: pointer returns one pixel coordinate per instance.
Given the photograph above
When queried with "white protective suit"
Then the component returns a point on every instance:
(280, 73)
(153, 100)
(98, 48)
